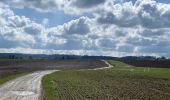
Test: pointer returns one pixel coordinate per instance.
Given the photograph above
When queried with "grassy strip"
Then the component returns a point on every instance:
(141, 71)
(11, 77)
(123, 82)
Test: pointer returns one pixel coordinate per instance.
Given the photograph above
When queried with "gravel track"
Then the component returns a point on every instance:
(27, 87)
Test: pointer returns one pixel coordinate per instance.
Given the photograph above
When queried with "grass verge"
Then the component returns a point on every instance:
(11, 77)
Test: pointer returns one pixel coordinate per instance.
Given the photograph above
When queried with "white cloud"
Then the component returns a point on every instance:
(20, 31)
(146, 13)
(69, 6)
(39, 5)
(45, 21)
(121, 29)
(18, 21)
(79, 26)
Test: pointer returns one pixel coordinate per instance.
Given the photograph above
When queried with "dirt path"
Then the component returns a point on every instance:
(106, 62)
(24, 88)
(28, 87)
(108, 65)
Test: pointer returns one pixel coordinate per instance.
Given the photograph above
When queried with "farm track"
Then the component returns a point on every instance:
(28, 87)
(24, 88)
(108, 65)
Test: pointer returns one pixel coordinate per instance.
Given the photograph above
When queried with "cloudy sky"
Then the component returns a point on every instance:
(85, 27)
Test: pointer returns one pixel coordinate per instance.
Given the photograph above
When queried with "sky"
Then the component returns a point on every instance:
(86, 27)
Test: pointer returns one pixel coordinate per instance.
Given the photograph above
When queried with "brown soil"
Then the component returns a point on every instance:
(12, 67)
(147, 63)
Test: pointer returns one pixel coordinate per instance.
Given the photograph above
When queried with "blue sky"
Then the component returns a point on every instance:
(55, 18)
(164, 1)
(95, 27)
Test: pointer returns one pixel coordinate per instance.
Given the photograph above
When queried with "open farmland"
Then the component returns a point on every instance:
(122, 82)
(149, 63)
(10, 69)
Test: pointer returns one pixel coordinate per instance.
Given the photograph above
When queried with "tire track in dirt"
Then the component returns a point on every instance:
(24, 88)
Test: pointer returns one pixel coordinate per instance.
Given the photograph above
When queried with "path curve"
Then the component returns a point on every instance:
(107, 63)
(27, 87)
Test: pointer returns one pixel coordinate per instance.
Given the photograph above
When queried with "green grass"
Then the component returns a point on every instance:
(10, 77)
(122, 82)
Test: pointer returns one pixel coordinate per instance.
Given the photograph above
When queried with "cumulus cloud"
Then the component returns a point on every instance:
(14, 38)
(45, 21)
(17, 21)
(11, 34)
(39, 5)
(20, 31)
(146, 13)
(75, 6)
(117, 29)
(82, 6)
(33, 29)
(79, 26)
(87, 3)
